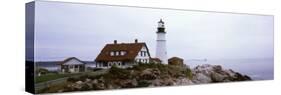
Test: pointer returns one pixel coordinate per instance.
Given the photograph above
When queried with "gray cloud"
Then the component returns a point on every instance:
(65, 29)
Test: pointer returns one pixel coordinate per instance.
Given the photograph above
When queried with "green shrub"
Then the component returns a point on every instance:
(72, 79)
(83, 77)
(142, 66)
(51, 76)
(188, 73)
(95, 77)
(97, 69)
(115, 72)
(175, 71)
(143, 83)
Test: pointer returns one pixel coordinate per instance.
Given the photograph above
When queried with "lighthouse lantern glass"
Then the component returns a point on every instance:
(161, 25)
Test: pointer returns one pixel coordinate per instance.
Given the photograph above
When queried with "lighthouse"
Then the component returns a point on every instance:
(161, 51)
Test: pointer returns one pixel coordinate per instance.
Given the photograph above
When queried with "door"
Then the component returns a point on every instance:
(71, 69)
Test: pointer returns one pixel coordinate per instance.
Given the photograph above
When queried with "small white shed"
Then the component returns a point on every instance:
(72, 65)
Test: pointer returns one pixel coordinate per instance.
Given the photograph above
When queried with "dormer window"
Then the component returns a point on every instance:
(117, 53)
(123, 53)
(112, 53)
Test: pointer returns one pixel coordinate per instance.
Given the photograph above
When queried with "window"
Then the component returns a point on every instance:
(142, 53)
(123, 53)
(109, 63)
(105, 65)
(112, 53)
(115, 63)
(117, 53)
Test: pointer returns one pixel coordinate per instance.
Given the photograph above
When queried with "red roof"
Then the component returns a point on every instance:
(131, 49)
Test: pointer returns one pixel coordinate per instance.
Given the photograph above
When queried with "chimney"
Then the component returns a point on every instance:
(115, 41)
(136, 40)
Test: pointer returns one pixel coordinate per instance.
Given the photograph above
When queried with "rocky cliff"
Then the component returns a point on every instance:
(151, 75)
(215, 73)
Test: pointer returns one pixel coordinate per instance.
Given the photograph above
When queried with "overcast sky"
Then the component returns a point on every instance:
(66, 30)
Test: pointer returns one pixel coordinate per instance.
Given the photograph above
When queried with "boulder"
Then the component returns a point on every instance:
(183, 81)
(149, 74)
(99, 86)
(201, 78)
(216, 77)
(156, 82)
(79, 82)
(215, 73)
(128, 83)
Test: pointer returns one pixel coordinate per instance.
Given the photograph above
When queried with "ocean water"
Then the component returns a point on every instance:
(51, 68)
(257, 69)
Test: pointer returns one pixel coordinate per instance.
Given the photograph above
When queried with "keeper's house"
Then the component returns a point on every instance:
(123, 55)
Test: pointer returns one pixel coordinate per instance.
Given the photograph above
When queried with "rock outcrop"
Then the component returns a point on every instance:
(215, 73)
(152, 76)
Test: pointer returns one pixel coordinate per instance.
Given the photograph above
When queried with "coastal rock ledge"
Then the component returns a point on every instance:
(150, 75)
(215, 73)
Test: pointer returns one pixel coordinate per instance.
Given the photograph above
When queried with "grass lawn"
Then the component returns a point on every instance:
(52, 76)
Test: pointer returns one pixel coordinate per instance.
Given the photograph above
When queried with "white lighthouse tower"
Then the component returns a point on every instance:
(161, 51)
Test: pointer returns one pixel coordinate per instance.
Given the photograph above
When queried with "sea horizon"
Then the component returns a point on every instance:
(256, 68)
